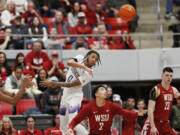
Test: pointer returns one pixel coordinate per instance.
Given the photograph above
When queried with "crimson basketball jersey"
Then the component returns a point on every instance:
(100, 118)
(164, 103)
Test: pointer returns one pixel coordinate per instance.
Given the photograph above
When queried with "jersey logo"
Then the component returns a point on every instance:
(107, 110)
(94, 112)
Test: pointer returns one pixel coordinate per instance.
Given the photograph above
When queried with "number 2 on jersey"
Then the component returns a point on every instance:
(101, 124)
(167, 106)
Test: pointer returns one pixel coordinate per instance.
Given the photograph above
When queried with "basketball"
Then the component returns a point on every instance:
(127, 12)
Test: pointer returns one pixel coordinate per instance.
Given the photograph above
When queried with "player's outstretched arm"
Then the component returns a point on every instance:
(60, 84)
(13, 99)
(74, 64)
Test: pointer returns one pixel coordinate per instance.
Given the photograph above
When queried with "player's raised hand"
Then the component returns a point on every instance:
(46, 83)
(89, 71)
(69, 132)
(154, 131)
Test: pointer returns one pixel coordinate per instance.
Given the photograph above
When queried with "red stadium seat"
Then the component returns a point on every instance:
(117, 23)
(5, 109)
(48, 20)
(24, 105)
(45, 132)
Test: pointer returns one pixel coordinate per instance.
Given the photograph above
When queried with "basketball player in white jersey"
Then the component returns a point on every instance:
(79, 74)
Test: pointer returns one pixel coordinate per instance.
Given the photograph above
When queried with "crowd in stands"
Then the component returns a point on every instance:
(39, 19)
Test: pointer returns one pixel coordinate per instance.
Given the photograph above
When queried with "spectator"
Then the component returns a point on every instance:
(2, 5)
(61, 26)
(55, 128)
(96, 43)
(21, 5)
(82, 27)
(9, 14)
(27, 17)
(51, 98)
(98, 16)
(7, 42)
(128, 125)
(72, 16)
(141, 108)
(125, 41)
(169, 9)
(109, 92)
(6, 127)
(131, 103)
(42, 76)
(37, 29)
(45, 11)
(19, 61)
(30, 123)
(91, 4)
(61, 5)
(54, 42)
(79, 44)
(14, 82)
(4, 68)
(18, 28)
(36, 57)
(53, 66)
(175, 116)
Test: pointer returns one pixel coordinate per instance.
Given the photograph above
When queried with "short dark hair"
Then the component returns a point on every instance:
(167, 69)
(18, 67)
(29, 116)
(95, 90)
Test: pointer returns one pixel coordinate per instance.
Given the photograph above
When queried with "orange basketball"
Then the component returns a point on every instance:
(127, 12)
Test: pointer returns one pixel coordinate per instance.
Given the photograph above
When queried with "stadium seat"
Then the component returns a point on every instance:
(5, 109)
(47, 20)
(117, 23)
(24, 105)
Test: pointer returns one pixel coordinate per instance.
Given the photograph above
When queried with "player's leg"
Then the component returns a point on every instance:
(80, 129)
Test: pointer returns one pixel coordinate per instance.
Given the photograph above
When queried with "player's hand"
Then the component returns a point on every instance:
(69, 132)
(154, 131)
(46, 83)
(89, 71)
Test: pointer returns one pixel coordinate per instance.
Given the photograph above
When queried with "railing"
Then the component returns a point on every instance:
(141, 41)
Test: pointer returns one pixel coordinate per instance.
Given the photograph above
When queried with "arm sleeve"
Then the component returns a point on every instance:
(119, 110)
(152, 95)
(85, 78)
(81, 115)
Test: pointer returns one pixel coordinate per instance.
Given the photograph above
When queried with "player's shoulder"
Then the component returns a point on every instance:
(79, 57)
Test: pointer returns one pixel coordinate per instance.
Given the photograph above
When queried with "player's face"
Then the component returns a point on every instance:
(167, 77)
(101, 93)
(92, 59)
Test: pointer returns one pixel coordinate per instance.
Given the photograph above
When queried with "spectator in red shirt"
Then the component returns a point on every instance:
(36, 57)
(82, 27)
(125, 41)
(27, 17)
(98, 16)
(97, 43)
(62, 27)
(30, 121)
(55, 130)
(53, 66)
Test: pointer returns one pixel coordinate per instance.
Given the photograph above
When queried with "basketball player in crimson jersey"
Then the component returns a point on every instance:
(159, 107)
(100, 113)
